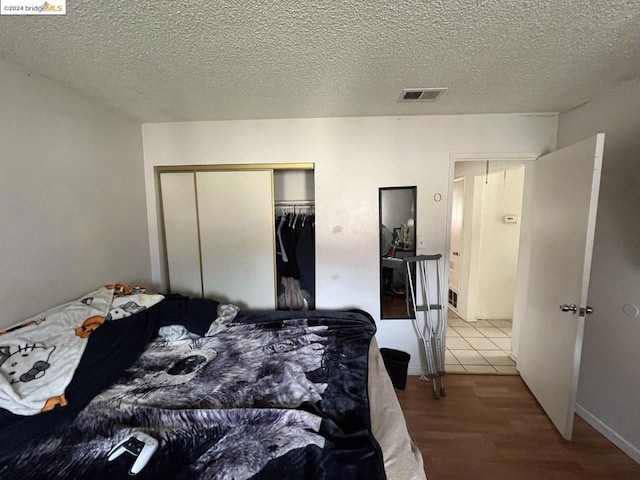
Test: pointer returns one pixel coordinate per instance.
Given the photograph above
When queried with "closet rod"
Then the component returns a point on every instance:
(294, 203)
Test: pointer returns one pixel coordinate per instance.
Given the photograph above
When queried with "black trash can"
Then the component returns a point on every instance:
(397, 364)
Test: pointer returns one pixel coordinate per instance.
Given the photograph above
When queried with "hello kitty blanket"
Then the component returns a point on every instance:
(275, 397)
(39, 356)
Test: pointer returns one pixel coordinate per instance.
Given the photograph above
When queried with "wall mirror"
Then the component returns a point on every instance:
(397, 207)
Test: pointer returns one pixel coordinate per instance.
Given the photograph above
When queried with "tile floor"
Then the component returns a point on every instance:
(478, 347)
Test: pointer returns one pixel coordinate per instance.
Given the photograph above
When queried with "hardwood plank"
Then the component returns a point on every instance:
(491, 427)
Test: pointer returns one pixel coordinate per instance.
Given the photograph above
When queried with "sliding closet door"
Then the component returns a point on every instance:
(235, 213)
(181, 233)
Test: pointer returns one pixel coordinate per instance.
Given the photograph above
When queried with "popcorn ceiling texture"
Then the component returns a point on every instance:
(201, 60)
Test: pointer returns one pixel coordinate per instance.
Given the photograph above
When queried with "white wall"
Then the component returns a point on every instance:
(609, 385)
(489, 247)
(494, 283)
(72, 205)
(353, 158)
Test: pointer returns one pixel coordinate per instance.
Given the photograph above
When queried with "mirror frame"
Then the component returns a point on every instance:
(409, 313)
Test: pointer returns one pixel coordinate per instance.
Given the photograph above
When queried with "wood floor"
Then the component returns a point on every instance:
(491, 427)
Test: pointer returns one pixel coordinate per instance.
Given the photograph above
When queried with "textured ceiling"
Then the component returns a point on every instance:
(203, 60)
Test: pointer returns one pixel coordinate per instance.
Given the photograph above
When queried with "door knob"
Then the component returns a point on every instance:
(572, 307)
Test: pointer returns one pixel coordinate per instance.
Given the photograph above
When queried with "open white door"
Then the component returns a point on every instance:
(457, 212)
(563, 217)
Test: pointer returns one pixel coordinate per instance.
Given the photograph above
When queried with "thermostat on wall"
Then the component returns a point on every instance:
(511, 219)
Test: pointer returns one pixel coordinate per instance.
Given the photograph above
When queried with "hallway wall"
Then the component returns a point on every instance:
(490, 246)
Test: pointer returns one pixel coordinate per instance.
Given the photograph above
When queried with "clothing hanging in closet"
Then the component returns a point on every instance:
(295, 259)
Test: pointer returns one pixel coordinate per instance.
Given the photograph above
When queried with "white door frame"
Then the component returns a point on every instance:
(522, 275)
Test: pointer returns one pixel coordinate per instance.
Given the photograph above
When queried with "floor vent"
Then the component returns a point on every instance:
(453, 298)
(421, 94)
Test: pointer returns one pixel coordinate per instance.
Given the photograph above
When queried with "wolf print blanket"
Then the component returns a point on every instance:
(277, 397)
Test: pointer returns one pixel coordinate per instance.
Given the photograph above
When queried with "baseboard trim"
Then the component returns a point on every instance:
(415, 371)
(608, 433)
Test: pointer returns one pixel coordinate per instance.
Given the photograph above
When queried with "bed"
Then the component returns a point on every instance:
(173, 387)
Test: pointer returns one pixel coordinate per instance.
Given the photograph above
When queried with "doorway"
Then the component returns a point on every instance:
(553, 270)
(486, 208)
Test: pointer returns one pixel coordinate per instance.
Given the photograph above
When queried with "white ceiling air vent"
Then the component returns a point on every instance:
(421, 94)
